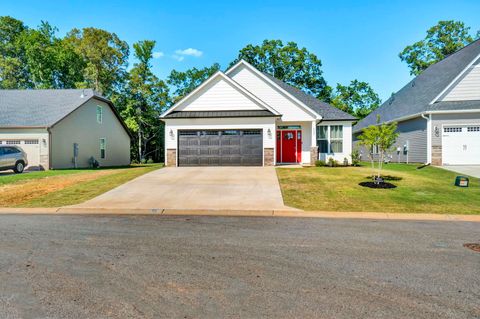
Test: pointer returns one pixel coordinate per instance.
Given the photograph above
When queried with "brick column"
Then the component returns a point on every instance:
(171, 157)
(313, 155)
(437, 155)
(268, 156)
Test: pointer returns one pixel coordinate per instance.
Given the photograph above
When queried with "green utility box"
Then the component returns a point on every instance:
(462, 181)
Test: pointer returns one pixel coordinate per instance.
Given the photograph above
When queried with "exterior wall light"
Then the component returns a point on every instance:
(269, 133)
(437, 131)
(172, 135)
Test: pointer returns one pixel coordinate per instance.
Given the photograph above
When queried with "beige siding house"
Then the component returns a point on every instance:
(63, 128)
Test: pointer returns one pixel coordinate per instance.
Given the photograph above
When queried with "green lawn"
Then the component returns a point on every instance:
(65, 187)
(427, 190)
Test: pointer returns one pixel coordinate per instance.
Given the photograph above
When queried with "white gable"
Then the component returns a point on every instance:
(468, 88)
(290, 110)
(219, 95)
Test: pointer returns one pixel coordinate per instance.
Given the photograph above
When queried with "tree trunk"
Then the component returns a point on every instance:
(139, 145)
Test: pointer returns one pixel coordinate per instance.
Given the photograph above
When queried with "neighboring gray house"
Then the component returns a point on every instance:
(438, 113)
(63, 128)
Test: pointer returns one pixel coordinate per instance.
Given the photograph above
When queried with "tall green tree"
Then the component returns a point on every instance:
(185, 82)
(36, 58)
(105, 57)
(442, 39)
(357, 98)
(13, 70)
(289, 63)
(144, 99)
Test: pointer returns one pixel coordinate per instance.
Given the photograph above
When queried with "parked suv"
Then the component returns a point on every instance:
(12, 157)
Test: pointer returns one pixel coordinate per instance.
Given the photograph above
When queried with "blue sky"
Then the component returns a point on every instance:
(354, 39)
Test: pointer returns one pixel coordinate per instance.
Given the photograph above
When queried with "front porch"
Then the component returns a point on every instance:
(303, 143)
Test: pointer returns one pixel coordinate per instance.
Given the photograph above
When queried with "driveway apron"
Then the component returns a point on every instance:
(230, 188)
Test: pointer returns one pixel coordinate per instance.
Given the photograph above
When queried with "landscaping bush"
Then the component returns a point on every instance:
(356, 157)
(320, 163)
(150, 161)
(332, 162)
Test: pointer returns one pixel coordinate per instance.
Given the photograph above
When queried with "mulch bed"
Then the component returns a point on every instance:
(472, 246)
(383, 185)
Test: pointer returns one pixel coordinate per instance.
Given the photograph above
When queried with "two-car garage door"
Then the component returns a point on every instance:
(461, 145)
(220, 148)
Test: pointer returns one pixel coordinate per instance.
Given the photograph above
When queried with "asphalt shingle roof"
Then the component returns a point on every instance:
(327, 111)
(40, 108)
(416, 96)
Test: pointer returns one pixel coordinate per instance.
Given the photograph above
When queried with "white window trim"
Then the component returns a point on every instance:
(104, 147)
(99, 107)
(329, 139)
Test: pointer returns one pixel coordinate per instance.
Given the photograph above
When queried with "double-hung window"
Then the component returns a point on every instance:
(330, 139)
(336, 139)
(99, 114)
(102, 148)
(322, 138)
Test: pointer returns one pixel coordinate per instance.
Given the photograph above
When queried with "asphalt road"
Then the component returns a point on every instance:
(220, 267)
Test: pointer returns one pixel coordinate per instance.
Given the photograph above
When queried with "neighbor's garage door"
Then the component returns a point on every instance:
(30, 146)
(220, 148)
(461, 145)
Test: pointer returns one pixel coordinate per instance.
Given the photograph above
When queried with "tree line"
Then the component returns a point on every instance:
(37, 58)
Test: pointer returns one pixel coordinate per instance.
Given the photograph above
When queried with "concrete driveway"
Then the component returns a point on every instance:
(470, 170)
(232, 188)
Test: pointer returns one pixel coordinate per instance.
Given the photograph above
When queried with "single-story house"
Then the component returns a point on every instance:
(248, 118)
(63, 128)
(438, 113)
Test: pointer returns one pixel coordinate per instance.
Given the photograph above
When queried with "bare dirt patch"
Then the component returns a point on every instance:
(18, 193)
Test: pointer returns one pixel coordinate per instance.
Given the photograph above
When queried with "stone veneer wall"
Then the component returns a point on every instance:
(268, 154)
(437, 155)
(171, 157)
(313, 155)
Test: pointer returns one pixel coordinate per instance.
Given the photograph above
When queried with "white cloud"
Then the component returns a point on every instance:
(190, 52)
(158, 55)
(178, 57)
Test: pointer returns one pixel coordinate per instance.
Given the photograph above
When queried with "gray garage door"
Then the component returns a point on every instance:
(220, 148)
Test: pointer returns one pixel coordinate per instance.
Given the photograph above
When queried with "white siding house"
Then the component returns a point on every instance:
(246, 117)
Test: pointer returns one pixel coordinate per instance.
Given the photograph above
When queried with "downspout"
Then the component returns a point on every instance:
(429, 136)
(49, 148)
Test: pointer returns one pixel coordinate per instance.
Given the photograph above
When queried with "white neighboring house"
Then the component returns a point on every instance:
(63, 128)
(438, 113)
(248, 118)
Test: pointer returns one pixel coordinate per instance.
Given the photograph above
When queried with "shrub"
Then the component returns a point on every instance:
(93, 163)
(332, 162)
(355, 157)
(150, 161)
(320, 163)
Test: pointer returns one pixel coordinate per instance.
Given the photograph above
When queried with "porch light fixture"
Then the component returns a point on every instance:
(269, 133)
(437, 131)
(172, 136)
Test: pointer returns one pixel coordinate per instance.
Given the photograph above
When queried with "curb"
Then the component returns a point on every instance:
(239, 213)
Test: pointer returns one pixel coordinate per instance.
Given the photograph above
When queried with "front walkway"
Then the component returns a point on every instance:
(227, 188)
(470, 170)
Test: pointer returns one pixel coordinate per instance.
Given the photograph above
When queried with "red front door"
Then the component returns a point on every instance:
(289, 146)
